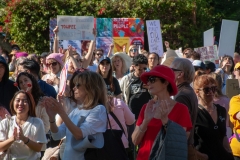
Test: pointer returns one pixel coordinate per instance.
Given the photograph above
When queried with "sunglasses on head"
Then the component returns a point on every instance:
(206, 90)
(133, 50)
(53, 64)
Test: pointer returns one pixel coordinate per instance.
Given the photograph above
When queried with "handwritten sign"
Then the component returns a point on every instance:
(232, 88)
(75, 27)
(154, 37)
(228, 37)
(208, 53)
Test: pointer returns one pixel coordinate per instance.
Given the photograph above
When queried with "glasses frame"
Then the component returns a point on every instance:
(206, 90)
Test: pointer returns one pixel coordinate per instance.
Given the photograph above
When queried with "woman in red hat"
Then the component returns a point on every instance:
(156, 112)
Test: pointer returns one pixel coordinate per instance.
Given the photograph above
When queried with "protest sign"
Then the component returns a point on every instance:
(208, 38)
(119, 43)
(75, 27)
(104, 43)
(208, 53)
(228, 37)
(120, 27)
(104, 27)
(232, 88)
(154, 37)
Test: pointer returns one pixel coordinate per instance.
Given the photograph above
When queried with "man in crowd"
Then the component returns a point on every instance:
(98, 54)
(7, 89)
(135, 93)
(33, 68)
(184, 75)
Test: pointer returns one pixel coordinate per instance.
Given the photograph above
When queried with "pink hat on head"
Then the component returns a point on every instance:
(57, 57)
(21, 54)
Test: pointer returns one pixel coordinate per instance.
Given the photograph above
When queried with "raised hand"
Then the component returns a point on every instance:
(162, 110)
(55, 31)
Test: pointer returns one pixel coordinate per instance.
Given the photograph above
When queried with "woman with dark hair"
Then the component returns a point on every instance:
(225, 69)
(211, 119)
(27, 82)
(155, 114)
(105, 70)
(22, 134)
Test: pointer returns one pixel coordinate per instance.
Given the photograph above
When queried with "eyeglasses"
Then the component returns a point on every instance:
(174, 69)
(133, 50)
(53, 64)
(206, 90)
(152, 79)
(99, 55)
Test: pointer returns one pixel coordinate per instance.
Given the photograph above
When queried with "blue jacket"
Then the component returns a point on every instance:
(47, 89)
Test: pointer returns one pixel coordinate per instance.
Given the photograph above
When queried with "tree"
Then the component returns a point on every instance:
(182, 22)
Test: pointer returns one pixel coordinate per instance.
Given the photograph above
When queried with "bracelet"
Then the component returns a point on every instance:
(52, 121)
(27, 141)
(142, 130)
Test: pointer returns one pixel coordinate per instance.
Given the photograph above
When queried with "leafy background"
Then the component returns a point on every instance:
(183, 22)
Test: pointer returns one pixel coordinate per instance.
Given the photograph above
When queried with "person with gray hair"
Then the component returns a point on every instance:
(184, 75)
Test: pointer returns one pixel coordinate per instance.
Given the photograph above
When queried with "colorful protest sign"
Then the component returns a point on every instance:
(208, 38)
(118, 31)
(228, 37)
(208, 53)
(104, 43)
(75, 27)
(74, 43)
(119, 43)
(104, 27)
(154, 37)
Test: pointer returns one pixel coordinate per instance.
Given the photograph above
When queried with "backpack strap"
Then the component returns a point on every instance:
(117, 121)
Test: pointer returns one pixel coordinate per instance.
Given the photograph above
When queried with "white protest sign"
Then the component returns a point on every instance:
(154, 37)
(75, 27)
(208, 38)
(208, 53)
(228, 37)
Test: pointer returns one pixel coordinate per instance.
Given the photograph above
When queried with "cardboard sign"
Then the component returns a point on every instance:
(208, 39)
(208, 53)
(232, 88)
(75, 27)
(228, 37)
(154, 37)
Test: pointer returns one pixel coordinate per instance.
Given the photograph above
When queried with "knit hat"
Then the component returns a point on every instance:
(21, 54)
(57, 57)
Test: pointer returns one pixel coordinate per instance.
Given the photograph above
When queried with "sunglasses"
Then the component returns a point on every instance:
(99, 55)
(152, 79)
(208, 89)
(133, 50)
(53, 64)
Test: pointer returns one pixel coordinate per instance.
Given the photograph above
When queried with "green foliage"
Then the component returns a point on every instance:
(182, 22)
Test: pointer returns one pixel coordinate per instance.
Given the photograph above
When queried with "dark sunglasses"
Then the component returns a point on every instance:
(99, 55)
(152, 79)
(133, 50)
(208, 89)
(53, 64)
(174, 69)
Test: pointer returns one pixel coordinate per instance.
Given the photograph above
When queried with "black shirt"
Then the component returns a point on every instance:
(208, 137)
(117, 88)
(138, 95)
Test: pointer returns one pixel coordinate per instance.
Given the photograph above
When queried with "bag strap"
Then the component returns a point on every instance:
(117, 121)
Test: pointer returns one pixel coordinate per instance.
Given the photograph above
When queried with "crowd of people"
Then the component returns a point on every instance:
(172, 107)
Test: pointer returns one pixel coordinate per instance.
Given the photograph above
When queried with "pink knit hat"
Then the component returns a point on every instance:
(21, 54)
(57, 57)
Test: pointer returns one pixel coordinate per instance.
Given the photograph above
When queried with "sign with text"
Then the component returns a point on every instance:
(232, 88)
(228, 37)
(154, 37)
(208, 39)
(208, 53)
(75, 27)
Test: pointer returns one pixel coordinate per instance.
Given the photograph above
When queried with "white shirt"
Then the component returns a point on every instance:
(33, 128)
(93, 68)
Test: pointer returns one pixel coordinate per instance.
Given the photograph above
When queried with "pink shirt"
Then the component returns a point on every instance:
(125, 116)
(224, 102)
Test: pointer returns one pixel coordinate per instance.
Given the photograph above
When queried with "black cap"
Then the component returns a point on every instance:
(44, 54)
(15, 47)
(104, 58)
(210, 65)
